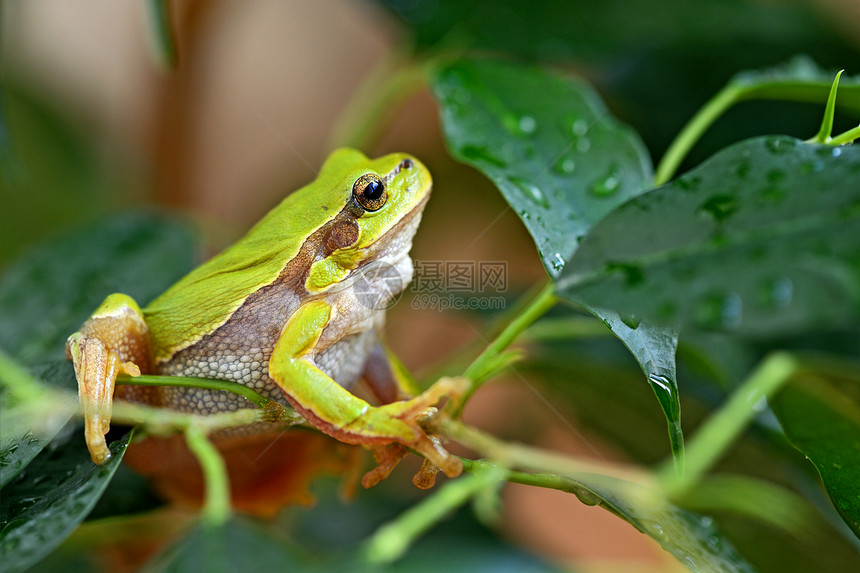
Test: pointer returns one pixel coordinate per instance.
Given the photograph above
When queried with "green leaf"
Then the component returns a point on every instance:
(45, 504)
(763, 238)
(50, 173)
(238, 545)
(654, 347)
(822, 419)
(691, 538)
(31, 417)
(47, 294)
(547, 142)
(562, 163)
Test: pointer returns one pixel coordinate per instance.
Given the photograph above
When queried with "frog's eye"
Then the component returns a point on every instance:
(369, 192)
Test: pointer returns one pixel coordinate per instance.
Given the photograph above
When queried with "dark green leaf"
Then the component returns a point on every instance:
(654, 347)
(580, 28)
(239, 545)
(547, 142)
(692, 539)
(30, 419)
(47, 294)
(763, 238)
(50, 498)
(562, 163)
(822, 419)
(50, 174)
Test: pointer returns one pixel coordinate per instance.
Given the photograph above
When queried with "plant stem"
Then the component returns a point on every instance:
(716, 434)
(694, 129)
(846, 137)
(393, 539)
(188, 382)
(520, 456)
(216, 509)
(381, 94)
(162, 40)
(826, 128)
(18, 382)
(155, 420)
(487, 360)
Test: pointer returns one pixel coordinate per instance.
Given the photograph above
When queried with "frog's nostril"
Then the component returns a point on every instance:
(406, 164)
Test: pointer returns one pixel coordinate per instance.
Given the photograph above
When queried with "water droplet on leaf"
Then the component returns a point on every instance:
(531, 191)
(565, 166)
(720, 207)
(527, 124)
(579, 127)
(608, 184)
(481, 154)
(779, 145)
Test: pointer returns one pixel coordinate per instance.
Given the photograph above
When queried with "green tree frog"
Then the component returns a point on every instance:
(279, 312)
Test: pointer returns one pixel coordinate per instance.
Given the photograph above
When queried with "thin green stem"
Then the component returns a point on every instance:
(694, 129)
(376, 101)
(393, 539)
(492, 359)
(566, 328)
(188, 382)
(823, 135)
(847, 137)
(720, 430)
(524, 457)
(18, 382)
(162, 421)
(162, 40)
(216, 508)
(487, 361)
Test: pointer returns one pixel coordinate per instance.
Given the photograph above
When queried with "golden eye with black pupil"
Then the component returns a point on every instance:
(369, 192)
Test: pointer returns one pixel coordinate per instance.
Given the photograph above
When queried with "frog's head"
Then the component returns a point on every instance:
(382, 201)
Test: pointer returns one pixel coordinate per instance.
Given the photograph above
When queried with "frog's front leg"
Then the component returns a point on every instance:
(336, 411)
(113, 341)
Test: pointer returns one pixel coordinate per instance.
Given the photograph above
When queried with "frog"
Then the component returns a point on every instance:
(294, 310)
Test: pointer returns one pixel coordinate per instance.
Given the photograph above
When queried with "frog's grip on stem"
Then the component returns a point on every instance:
(417, 412)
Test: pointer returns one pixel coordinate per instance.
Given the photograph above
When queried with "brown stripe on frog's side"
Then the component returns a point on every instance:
(239, 350)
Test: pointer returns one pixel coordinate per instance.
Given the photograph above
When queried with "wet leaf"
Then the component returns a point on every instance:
(562, 163)
(691, 538)
(764, 238)
(45, 503)
(47, 294)
(238, 545)
(822, 419)
(547, 142)
(31, 418)
(654, 347)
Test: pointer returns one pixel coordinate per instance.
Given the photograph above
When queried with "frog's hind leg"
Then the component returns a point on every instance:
(386, 377)
(113, 341)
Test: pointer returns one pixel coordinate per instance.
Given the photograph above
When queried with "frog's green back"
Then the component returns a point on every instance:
(206, 298)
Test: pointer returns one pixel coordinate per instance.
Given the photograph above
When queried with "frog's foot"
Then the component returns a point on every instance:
(407, 417)
(113, 341)
(96, 369)
(387, 457)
